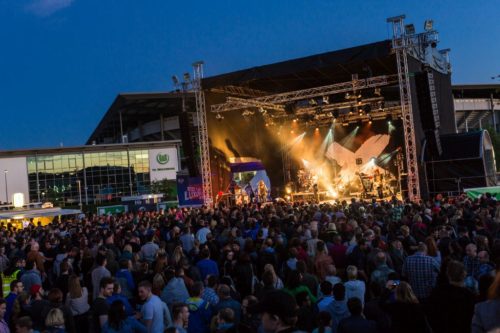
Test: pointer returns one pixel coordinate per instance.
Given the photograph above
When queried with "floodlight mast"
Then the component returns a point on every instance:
(206, 177)
(400, 46)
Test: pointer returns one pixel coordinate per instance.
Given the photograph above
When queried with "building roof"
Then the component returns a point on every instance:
(87, 148)
(476, 90)
(136, 108)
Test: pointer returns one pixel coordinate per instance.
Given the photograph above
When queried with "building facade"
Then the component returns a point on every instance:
(88, 174)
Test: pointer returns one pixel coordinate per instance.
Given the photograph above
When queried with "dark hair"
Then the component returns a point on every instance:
(326, 288)
(301, 298)
(268, 278)
(13, 284)
(177, 309)
(339, 292)
(205, 253)
(124, 263)
(354, 305)
(25, 322)
(55, 295)
(30, 264)
(212, 281)
(64, 266)
(2, 301)
(294, 279)
(145, 284)
(100, 259)
(455, 271)
(227, 315)
(301, 266)
(197, 288)
(324, 319)
(105, 281)
(116, 315)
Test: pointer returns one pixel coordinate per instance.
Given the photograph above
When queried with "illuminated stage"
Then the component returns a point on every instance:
(335, 125)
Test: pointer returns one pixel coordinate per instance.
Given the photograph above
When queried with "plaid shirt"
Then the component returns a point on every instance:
(421, 271)
(210, 296)
(472, 265)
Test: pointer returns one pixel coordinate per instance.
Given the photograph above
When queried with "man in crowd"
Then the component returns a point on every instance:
(152, 309)
(421, 271)
(100, 306)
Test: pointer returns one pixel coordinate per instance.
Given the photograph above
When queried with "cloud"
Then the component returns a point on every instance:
(45, 8)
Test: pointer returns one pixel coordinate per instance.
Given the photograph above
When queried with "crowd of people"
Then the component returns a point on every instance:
(347, 267)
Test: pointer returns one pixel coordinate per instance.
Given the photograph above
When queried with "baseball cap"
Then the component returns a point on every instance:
(278, 303)
(35, 289)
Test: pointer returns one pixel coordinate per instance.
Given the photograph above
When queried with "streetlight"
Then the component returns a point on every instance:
(79, 192)
(5, 172)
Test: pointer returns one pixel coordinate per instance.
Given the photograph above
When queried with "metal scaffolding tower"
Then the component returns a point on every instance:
(206, 175)
(400, 44)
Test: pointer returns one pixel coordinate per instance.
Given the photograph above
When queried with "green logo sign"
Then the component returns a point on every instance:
(162, 158)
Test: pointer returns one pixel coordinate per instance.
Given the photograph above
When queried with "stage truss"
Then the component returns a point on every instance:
(273, 107)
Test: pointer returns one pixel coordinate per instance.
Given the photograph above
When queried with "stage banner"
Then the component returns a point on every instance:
(189, 191)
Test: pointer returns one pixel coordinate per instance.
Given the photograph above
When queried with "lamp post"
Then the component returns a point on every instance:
(5, 172)
(79, 192)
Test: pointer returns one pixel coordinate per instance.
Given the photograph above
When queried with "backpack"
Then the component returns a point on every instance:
(6, 281)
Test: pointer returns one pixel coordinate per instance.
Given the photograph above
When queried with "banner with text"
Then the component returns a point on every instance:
(189, 191)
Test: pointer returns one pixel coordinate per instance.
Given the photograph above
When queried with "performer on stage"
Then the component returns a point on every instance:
(262, 191)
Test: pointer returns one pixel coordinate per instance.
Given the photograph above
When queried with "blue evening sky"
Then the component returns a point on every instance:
(62, 62)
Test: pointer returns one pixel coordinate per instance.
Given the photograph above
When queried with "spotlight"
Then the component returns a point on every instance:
(347, 96)
(295, 120)
(377, 92)
(219, 117)
(369, 120)
(326, 100)
(351, 110)
(410, 29)
(313, 102)
(360, 102)
(381, 105)
(247, 113)
(428, 25)
(317, 129)
(175, 80)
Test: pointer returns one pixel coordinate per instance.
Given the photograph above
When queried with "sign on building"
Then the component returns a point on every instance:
(163, 163)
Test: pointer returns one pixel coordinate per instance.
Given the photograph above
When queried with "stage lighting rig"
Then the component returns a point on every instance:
(377, 92)
(247, 113)
(326, 100)
(409, 29)
(428, 25)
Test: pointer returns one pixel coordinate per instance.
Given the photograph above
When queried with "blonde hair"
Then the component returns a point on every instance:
(74, 287)
(55, 318)
(405, 294)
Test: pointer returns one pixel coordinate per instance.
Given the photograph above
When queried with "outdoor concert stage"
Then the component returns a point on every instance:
(351, 122)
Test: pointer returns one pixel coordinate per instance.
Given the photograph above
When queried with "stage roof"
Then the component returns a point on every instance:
(312, 71)
(138, 108)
